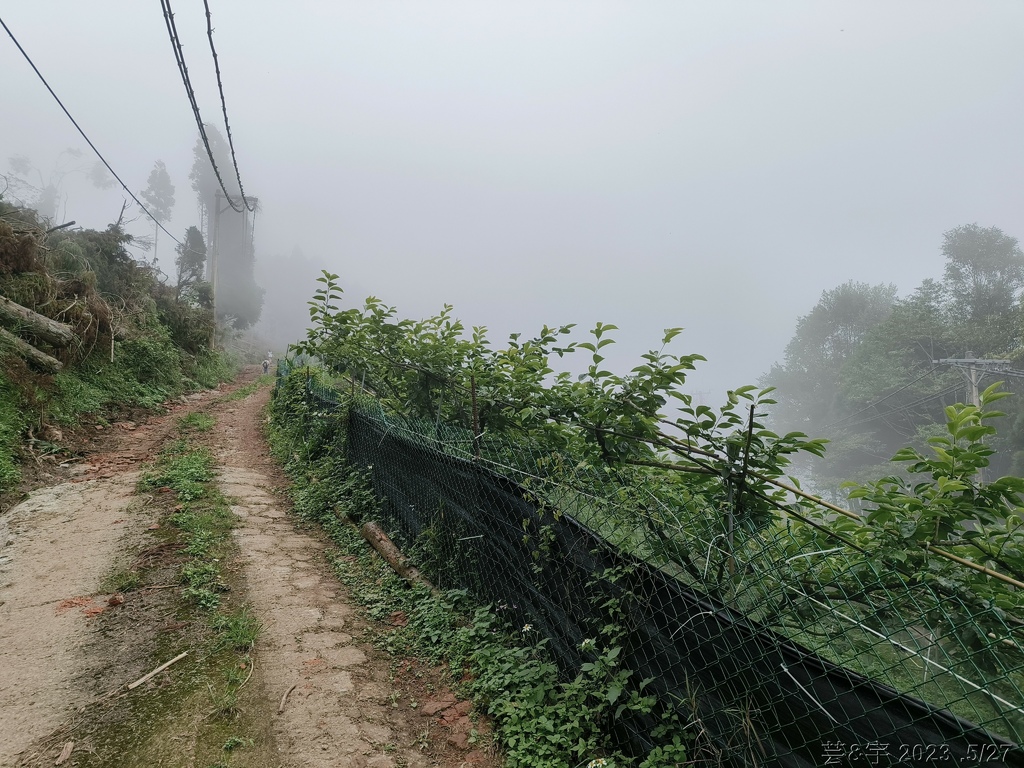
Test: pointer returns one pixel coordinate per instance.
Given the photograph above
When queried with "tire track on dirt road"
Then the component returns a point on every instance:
(55, 549)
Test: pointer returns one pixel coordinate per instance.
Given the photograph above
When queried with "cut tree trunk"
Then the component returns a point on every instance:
(31, 354)
(393, 555)
(16, 316)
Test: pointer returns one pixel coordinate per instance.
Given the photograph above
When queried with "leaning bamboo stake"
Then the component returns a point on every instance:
(931, 548)
(828, 505)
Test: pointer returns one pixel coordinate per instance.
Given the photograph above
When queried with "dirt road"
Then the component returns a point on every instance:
(320, 694)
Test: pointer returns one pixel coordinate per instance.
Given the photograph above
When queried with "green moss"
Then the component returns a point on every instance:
(12, 424)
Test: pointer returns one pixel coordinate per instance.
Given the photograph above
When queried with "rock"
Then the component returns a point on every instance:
(52, 434)
(433, 707)
(460, 740)
(114, 600)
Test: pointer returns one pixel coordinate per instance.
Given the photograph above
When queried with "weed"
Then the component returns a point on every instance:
(12, 422)
(201, 597)
(243, 392)
(196, 422)
(183, 471)
(124, 580)
(235, 742)
(237, 631)
(225, 704)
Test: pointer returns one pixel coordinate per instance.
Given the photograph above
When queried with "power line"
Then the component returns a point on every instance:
(880, 400)
(947, 391)
(224, 106)
(84, 136)
(179, 57)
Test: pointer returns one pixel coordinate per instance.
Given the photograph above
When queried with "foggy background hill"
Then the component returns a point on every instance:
(712, 166)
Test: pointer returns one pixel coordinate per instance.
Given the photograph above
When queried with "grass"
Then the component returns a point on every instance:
(196, 422)
(13, 422)
(121, 580)
(243, 392)
(237, 630)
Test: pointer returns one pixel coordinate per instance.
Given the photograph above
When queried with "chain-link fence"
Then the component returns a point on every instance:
(772, 641)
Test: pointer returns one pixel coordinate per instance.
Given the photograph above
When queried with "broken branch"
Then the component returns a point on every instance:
(157, 671)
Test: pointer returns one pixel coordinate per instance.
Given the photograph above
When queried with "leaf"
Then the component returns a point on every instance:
(670, 333)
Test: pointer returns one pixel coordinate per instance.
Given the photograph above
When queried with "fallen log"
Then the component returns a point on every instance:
(379, 540)
(16, 316)
(31, 354)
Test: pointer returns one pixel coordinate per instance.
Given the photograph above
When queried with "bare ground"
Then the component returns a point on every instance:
(64, 650)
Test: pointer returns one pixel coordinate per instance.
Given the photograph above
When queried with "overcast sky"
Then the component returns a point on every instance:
(711, 165)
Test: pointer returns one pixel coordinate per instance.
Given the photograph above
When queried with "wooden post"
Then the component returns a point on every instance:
(476, 418)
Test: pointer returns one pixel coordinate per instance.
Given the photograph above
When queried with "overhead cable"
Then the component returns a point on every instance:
(84, 136)
(224, 106)
(947, 391)
(179, 57)
(880, 400)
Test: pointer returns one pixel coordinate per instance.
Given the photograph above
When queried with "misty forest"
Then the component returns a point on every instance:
(754, 497)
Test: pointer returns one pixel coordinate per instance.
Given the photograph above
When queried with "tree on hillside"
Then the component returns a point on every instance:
(984, 276)
(30, 187)
(874, 391)
(190, 263)
(808, 380)
(159, 196)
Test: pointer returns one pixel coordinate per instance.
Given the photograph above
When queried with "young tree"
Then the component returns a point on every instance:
(191, 261)
(159, 195)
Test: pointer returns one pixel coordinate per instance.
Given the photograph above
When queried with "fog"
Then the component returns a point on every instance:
(707, 165)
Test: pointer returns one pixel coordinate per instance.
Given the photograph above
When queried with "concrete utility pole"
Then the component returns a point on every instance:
(974, 368)
(214, 252)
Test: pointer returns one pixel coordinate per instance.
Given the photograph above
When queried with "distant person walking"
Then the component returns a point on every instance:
(266, 367)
